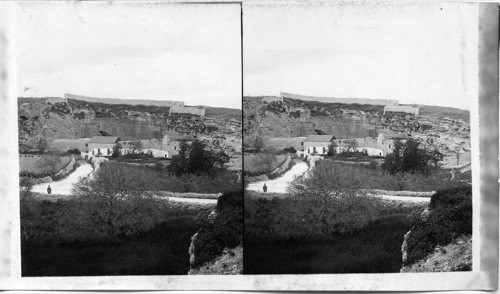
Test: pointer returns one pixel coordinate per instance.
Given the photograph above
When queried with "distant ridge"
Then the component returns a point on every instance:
(341, 100)
(161, 103)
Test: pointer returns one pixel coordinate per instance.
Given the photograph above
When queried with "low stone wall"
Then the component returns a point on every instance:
(399, 193)
(283, 167)
(68, 169)
(186, 195)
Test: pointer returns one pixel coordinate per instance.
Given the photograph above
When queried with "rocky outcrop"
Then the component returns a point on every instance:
(217, 246)
(456, 256)
(440, 239)
(230, 262)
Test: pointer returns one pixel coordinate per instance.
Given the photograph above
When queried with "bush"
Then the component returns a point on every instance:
(290, 150)
(330, 201)
(450, 197)
(74, 151)
(450, 217)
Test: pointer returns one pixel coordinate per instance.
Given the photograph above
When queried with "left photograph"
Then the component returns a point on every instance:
(130, 138)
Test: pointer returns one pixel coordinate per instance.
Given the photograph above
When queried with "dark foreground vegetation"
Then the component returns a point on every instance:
(373, 248)
(161, 250)
(112, 226)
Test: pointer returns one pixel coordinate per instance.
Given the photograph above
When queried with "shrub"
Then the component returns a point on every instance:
(330, 201)
(450, 197)
(74, 151)
(373, 164)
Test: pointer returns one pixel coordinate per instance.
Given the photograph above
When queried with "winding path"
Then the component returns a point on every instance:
(280, 184)
(64, 186)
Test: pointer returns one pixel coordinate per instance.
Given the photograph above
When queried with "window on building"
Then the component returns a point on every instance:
(324, 149)
(314, 149)
(98, 150)
(109, 151)
(86, 145)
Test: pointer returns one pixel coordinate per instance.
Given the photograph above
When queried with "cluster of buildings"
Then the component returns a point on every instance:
(106, 145)
(320, 144)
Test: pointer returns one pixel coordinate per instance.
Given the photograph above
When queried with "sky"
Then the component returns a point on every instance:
(181, 52)
(415, 53)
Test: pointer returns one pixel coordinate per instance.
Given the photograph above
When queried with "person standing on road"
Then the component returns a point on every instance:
(49, 190)
(264, 188)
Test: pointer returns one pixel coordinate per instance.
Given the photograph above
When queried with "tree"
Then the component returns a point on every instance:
(196, 159)
(332, 149)
(410, 158)
(200, 160)
(221, 158)
(179, 163)
(137, 146)
(331, 200)
(352, 144)
(113, 198)
(117, 150)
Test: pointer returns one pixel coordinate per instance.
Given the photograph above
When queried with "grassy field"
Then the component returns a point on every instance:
(438, 179)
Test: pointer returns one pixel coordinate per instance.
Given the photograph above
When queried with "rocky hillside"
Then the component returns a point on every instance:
(440, 239)
(444, 128)
(39, 118)
(217, 247)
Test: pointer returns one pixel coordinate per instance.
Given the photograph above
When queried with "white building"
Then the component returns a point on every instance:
(100, 146)
(317, 144)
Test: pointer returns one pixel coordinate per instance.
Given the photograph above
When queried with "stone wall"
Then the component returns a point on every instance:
(402, 108)
(278, 144)
(269, 99)
(187, 110)
(341, 100)
(161, 103)
(54, 100)
(63, 145)
(66, 170)
(283, 167)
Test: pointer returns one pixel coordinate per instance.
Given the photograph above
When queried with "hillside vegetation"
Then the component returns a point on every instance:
(449, 217)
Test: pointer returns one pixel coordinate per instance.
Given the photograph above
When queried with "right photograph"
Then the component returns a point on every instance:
(357, 137)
